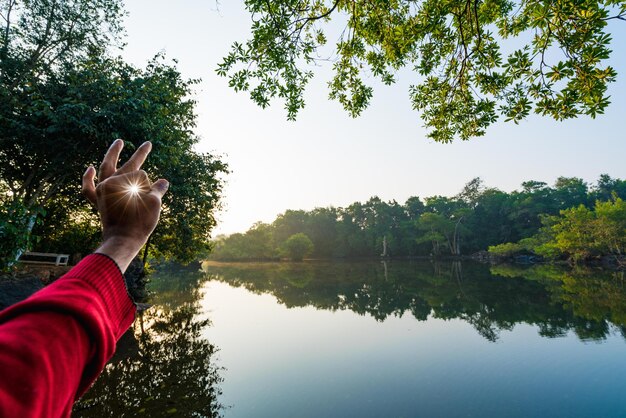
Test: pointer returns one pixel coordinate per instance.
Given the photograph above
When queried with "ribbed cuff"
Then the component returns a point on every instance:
(128, 292)
(105, 276)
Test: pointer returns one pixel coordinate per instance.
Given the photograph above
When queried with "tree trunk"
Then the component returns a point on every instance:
(144, 260)
(29, 228)
(384, 254)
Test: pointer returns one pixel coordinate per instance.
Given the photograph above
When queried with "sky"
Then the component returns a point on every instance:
(326, 158)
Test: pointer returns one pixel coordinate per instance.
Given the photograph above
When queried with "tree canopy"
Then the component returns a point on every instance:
(474, 61)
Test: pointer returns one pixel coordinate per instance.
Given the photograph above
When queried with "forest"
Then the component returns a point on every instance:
(571, 220)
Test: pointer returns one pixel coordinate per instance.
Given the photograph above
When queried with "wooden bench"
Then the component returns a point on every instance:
(45, 258)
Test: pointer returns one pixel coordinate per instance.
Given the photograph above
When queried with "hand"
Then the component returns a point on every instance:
(129, 205)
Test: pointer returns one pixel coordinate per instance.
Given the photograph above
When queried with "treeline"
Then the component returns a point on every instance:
(475, 219)
(578, 234)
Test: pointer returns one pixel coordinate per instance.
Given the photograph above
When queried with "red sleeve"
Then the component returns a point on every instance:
(54, 344)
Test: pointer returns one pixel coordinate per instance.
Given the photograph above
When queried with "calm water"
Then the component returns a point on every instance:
(395, 339)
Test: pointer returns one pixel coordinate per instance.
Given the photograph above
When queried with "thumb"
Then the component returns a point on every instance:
(159, 187)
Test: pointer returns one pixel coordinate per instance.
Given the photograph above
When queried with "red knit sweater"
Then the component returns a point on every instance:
(54, 344)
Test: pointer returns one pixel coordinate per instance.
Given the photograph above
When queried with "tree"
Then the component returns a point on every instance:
(570, 191)
(607, 186)
(14, 231)
(63, 100)
(471, 192)
(442, 231)
(467, 78)
(489, 222)
(535, 199)
(297, 246)
(414, 207)
(432, 226)
(579, 233)
(289, 223)
(38, 39)
(321, 227)
(70, 121)
(40, 36)
(610, 226)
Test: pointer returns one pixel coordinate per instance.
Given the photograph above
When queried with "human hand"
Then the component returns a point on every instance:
(128, 204)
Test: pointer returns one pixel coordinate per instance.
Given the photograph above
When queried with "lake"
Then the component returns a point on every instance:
(371, 339)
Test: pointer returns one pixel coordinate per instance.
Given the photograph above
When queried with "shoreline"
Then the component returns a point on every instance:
(26, 280)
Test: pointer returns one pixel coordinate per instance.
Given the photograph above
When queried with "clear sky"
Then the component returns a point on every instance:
(326, 158)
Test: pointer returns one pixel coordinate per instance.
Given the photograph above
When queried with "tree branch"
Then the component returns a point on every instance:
(621, 16)
(309, 19)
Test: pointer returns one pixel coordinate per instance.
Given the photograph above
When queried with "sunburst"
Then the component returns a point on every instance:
(133, 189)
(129, 196)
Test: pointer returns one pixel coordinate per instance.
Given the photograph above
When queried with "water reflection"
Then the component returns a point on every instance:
(163, 366)
(590, 303)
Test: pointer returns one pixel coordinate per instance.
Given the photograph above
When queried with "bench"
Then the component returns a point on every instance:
(45, 258)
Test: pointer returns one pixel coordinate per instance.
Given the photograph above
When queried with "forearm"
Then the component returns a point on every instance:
(54, 344)
(40, 373)
(122, 250)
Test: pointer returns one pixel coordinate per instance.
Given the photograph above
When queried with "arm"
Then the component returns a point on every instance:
(54, 344)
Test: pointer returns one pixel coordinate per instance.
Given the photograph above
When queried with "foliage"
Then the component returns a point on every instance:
(255, 244)
(610, 226)
(39, 36)
(507, 249)
(475, 61)
(63, 100)
(476, 219)
(442, 230)
(573, 233)
(579, 233)
(15, 219)
(297, 246)
(69, 227)
(523, 246)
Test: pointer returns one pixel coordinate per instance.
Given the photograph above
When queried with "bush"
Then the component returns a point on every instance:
(508, 249)
(297, 246)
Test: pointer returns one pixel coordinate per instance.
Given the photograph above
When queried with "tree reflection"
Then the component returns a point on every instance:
(592, 304)
(163, 367)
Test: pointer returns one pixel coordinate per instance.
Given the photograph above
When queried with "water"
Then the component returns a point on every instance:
(395, 339)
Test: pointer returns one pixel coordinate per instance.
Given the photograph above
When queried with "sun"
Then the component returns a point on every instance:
(133, 189)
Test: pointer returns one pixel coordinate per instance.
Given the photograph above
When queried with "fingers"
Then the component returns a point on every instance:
(89, 187)
(109, 163)
(135, 162)
(129, 178)
(159, 187)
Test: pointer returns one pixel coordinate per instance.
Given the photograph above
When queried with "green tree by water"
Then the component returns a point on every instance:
(297, 246)
(467, 74)
(578, 234)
